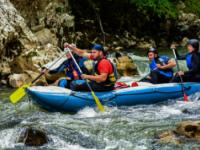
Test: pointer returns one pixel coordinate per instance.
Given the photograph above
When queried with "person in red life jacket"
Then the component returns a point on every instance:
(193, 63)
(160, 68)
(103, 78)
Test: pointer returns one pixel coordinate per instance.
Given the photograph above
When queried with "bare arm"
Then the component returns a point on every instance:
(170, 65)
(98, 78)
(78, 51)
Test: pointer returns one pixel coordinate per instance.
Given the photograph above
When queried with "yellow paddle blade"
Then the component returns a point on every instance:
(19, 94)
(99, 105)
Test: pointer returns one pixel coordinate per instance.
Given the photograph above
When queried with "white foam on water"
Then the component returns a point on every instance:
(7, 139)
(63, 145)
(26, 106)
(170, 111)
(110, 110)
(76, 147)
(87, 112)
(121, 144)
(141, 147)
(192, 103)
(111, 147)
(138, 58)
(182, 103)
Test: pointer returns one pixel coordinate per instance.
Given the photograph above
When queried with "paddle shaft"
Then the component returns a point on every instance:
(78, 67)
(143, 77)
(178, 68)
(146, 75)
(20, 92)
(98, 103)
(43, 71)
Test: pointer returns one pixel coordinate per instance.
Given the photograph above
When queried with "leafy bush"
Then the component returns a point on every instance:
(193, 6)
(160, 8)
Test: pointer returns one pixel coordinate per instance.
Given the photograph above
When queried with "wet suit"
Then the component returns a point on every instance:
(159, 75)
(193, 65)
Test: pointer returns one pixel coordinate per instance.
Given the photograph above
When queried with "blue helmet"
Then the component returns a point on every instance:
(98, 47)
(194, 43)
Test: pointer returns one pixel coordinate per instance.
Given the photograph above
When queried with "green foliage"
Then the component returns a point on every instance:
(160, 8)
(193, 6)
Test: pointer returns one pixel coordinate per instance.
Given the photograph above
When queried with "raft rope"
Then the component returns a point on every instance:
(116, 94)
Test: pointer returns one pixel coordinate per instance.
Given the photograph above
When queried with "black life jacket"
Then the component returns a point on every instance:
(111, 78)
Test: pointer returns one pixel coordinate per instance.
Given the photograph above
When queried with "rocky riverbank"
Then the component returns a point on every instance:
(32, 34)
(185, 131)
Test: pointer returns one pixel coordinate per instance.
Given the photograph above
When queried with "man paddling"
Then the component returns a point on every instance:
(104, 77)
(160, 67)
(193, 63)
(71, 71)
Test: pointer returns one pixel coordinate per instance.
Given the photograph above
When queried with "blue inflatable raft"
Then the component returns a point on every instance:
(54, 98)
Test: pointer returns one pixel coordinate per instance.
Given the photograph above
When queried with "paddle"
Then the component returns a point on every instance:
(143, 77)
(97, 101)
(185, 97)
(17, 95)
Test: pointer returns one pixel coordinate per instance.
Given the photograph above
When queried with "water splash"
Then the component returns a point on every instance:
(87, 112)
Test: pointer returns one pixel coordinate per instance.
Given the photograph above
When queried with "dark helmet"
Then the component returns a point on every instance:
(154, 50)
(194, 43)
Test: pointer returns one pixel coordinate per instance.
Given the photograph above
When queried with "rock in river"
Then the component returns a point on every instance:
(33, 137)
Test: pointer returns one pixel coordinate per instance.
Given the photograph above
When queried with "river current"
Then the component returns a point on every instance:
(126, 128)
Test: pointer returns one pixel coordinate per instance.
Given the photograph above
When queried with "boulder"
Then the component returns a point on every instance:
(184, 41)
(17, 80)
(45, 36)
(119, 48)
(126, 66)
(22, 63)
(33, 137)
(188, 24)
(3, 82)
(33, 75)
(168, 137)
(43, 55)
(163, 43)
(145, 44)
(184, 132)
(13, 30)
(52, 78)
(189, 129)
(5, 68)
(31, 62)
(35, 58)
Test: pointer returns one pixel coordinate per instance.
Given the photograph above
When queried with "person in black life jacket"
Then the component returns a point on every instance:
(192, 60)
(160, 68)
(103, 78)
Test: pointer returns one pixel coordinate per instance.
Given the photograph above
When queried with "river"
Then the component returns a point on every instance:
(129, 128)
